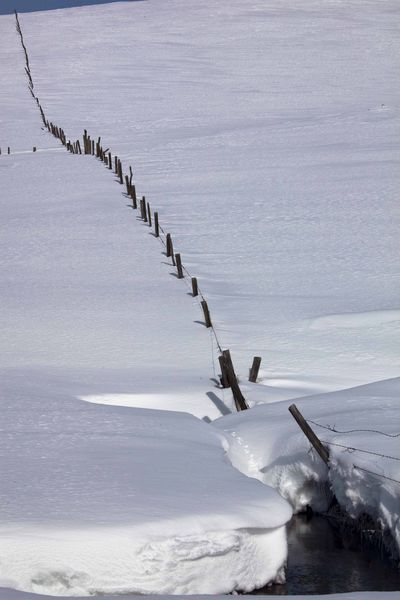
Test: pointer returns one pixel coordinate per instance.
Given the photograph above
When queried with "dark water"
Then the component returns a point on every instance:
(324, 561)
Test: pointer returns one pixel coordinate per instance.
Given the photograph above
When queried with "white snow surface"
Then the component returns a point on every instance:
(364, 466)
(98, 499)
(266, 134)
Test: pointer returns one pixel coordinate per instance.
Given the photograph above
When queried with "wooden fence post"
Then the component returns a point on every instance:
(120, 174)
(309, 433)
(206, 312)
(255, 367)
(179, 266)
(195, 288)
(127, 185)
(133, 196)
(240, 401)
(143, 209)
(149, 214)
(224, 376)
(156, 225)
(170, 248)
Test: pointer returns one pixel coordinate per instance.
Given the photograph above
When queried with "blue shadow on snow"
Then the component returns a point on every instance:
(8, 6)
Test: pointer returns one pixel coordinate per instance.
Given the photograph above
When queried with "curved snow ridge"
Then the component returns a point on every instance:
(359, 320)
(115, 563)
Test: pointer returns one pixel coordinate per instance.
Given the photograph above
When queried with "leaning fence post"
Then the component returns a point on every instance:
(149, 214)
(206, 312)
(255, 367)
(309, 433)
(240, 401)
(179, 266)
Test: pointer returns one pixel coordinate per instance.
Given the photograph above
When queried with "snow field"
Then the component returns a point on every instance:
(284, 206)
(285, 203)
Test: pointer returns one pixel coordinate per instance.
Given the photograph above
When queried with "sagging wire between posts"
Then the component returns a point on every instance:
(329, 428)
(95, 149)
(199, 290)
(351, 449)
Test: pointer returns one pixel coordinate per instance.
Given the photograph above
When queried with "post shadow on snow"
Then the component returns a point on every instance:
(8, 6)
(223, 409)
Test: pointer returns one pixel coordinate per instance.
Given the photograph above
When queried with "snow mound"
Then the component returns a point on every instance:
(360, 426)
(100, 499)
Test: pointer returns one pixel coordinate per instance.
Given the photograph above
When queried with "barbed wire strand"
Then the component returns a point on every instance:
(373, 473)
(351, 449)
(329, 428)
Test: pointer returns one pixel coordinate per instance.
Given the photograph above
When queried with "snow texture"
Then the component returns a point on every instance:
(267, 137)
(98, 499)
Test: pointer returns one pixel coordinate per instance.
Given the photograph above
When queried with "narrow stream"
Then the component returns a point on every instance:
(323, 561)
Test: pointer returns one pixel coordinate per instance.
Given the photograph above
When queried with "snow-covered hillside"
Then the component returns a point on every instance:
(266, 135)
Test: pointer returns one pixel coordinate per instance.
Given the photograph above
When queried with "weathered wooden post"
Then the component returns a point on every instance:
(255, 367)
(133, 196)
(156, 225)
(195, 288)
(109, 160)
(149, 214)
(309, 433)
(179, 266)
(170, 247)
(144, 211)
(240, 401)
(206, 312)
(120, 174)
(224, 376)
(127, 185)
(8, 150)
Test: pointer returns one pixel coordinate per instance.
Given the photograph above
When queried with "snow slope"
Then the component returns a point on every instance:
(98, 499)
(364, 466)
(267, 137)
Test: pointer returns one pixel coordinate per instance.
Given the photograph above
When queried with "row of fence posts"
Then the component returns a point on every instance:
(93, 147)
